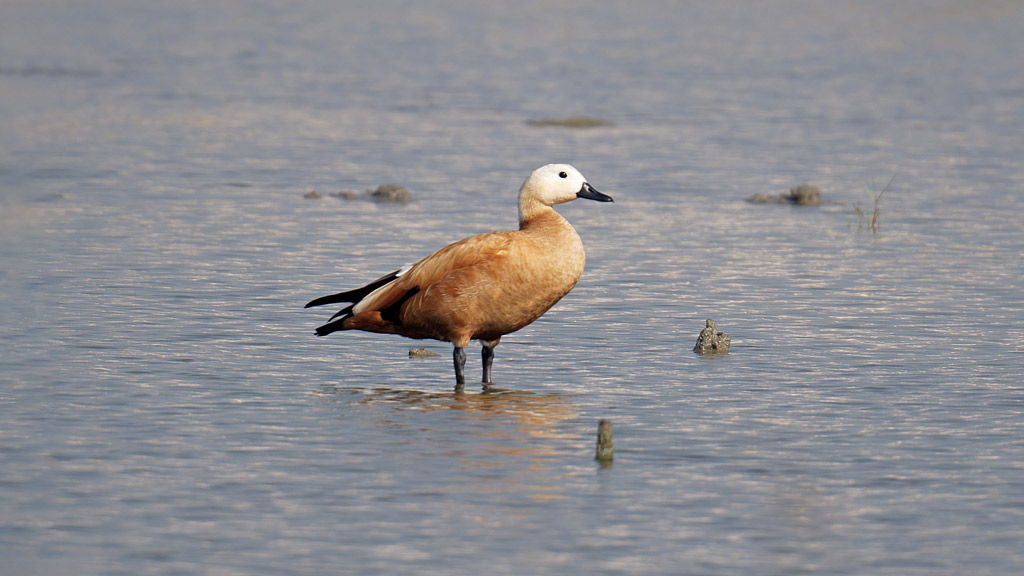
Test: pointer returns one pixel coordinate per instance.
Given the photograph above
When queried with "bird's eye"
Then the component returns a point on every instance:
(563, 175)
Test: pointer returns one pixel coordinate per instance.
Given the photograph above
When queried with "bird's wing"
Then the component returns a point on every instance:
(471, 252)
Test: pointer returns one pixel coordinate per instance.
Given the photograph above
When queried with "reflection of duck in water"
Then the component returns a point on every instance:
(483, 287)
(505, 443)
(535, 415)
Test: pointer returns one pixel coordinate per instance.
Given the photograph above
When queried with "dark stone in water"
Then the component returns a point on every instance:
(570, 122)
(802, 195)
(345, 194)
(605, 447)
(390, 193)
(385, 193)
(711, 341)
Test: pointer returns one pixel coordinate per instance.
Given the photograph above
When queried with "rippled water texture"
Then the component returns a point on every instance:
(166, 409)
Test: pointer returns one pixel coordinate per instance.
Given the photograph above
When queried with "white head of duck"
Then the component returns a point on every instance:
(554, 184)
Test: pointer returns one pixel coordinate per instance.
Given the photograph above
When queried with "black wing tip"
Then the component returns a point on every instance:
(354, 295)
(323, 300)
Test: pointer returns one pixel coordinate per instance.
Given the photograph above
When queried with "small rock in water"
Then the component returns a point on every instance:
(571, 122)
(711, 341)
(384, 193)
(390, 193)
(345, 194)
(312, 195)
(421, 353)
(605, 447)
(762, 198)
(802, 195)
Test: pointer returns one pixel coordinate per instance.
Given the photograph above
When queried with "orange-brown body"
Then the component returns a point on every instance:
(480, 288)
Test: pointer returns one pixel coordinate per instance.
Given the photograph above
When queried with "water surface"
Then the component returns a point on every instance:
(166, 409)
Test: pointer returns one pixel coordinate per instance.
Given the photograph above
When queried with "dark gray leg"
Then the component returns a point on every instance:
(459, 356)
(487, 354)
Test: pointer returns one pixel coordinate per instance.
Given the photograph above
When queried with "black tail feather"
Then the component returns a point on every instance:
(330, 327)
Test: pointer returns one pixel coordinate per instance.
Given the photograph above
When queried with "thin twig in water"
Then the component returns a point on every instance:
(876, 198)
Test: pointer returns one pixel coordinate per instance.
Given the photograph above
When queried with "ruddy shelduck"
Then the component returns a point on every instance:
(482, 287)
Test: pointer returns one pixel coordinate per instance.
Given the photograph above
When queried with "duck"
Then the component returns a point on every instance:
(482, 287)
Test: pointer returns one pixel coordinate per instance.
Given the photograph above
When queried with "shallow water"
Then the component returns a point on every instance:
(166, 409)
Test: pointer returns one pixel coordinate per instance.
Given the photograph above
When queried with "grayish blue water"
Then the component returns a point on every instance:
(166, 409)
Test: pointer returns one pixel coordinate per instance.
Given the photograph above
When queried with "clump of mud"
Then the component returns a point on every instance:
(711, 341)
(570, 122)
(384, 194)
(802, 195)
(392, 193)
(421, 353)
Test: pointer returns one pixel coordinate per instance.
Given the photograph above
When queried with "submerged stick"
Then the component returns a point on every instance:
(605, 450)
